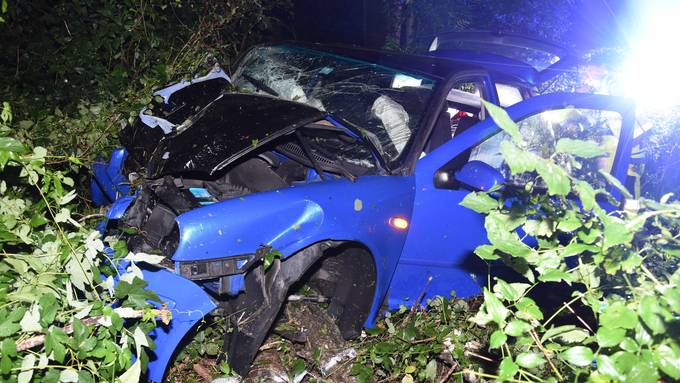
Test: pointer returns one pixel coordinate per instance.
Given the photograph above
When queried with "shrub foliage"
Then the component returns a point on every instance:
(622, 265)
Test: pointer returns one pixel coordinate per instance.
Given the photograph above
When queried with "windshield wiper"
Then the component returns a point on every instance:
(308, 152)
(260, 85)
(305, 147)
(370, 138)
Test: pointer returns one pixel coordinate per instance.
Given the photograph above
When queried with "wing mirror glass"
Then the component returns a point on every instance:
(478, 175)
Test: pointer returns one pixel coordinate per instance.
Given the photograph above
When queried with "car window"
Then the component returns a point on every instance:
(541, 133)
(508, 94)
(465, 105)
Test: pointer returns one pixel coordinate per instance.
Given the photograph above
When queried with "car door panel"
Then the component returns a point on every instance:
(444, 234)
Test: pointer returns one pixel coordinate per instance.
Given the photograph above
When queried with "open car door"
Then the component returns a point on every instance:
(532, 60)
(443, 234)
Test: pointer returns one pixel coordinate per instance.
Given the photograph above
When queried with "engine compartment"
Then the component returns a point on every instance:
(159, 201)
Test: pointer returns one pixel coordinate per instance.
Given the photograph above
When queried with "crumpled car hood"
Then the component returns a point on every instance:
(211, 139)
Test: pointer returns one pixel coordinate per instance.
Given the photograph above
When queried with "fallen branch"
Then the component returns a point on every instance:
(418, 301)
(124, 312)
(448, 373)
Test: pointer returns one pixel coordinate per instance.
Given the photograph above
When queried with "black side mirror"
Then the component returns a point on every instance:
(475, 175)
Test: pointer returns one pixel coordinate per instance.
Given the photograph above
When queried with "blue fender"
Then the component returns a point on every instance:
(188, 303)
(294, 218)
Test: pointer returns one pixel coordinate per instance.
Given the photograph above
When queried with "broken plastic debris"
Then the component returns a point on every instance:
(347, 354)
(228, 379)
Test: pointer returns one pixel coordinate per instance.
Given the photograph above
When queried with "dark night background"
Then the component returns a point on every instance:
(590, 24)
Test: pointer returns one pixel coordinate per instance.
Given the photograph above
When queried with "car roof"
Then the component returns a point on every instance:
(530, 59)
(437, 67)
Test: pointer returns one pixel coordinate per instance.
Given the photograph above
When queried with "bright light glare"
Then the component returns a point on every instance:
(651, 74)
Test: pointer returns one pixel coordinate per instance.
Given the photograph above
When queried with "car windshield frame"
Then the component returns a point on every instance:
(387, 104)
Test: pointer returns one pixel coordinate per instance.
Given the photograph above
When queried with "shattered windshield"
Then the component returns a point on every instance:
(385, 104)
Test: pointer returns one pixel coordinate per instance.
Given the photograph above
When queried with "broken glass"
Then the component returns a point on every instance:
(385, 103)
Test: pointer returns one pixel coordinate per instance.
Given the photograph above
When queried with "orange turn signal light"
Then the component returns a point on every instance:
(399, 223)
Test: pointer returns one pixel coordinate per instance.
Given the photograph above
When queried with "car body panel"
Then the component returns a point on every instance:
(532, 60)
(108, 182)
(444, 234)
(292, 219)
(188, 304)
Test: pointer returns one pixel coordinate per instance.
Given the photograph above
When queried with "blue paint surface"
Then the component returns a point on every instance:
(108, 182)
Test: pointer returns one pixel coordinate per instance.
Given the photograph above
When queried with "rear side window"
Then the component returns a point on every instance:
(541, 133)
(508, 94)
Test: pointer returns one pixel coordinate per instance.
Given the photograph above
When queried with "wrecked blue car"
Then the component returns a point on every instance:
(340, 167)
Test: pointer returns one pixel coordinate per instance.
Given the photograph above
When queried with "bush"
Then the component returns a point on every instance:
(623, 265)
(57, 321)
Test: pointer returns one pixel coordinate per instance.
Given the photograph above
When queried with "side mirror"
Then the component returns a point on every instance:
(478, 175)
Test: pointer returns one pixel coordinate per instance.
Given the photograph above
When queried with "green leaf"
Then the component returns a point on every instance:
(615, 232)
(579, 148)
(554, 275)
(555, 177)
(569, 222)
(68, 375)
(574, 336)
(54, 343)
(479, 202)
(586, 194)
(507, 369)
(510, 291)
(497, 339)
(495, 308)
(85, 377)
(578, 355)
(668, 360)
(8, 347)
(9, 144)
(27, 365)
(629, 344)
(616, 183)
(643, 372)
(609, 337)
(527, 309)
(648, 309)
(48, 309)
(606, 366)
(132, 374)
(519, 161)
(135, 292)
(269, 258)
(297, 368)
(517, 328)
(617, 315)
(501, 118)
(555, 331)
(576, 248)
(486, 252)
(431, 370)
(530, 359)
(8, 328)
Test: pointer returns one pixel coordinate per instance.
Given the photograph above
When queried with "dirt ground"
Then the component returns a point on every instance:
(304, 332)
